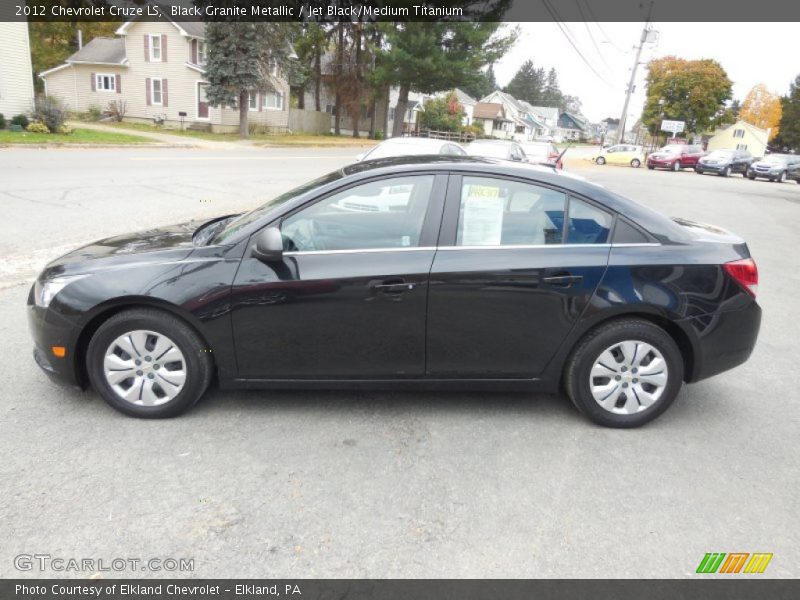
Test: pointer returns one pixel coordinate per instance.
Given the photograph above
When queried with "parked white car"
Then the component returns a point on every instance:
(410, 146)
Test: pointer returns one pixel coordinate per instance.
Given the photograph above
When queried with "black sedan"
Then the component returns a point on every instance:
(776, 167)
(438, 272)
(725, 162)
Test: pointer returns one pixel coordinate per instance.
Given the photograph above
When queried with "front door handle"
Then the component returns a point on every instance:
(395, 287)
(563, 279)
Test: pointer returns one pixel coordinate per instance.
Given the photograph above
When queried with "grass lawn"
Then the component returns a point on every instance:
(285, 139)
(79, 136)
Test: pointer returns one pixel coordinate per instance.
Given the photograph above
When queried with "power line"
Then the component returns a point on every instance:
(591, 37)
(553, 13)
(600, 28)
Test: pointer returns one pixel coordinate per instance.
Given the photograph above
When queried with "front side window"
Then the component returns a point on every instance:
(105, 83)
(499, 212)
(157, 91)
(587, 224)
(382, 214)
(155, 48)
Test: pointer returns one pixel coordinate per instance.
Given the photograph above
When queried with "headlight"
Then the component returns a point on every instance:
(45, 291)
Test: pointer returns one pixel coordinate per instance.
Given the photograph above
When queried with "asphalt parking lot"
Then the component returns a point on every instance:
(339, 484)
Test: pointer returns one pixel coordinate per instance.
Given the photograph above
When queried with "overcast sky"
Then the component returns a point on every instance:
(751, 53)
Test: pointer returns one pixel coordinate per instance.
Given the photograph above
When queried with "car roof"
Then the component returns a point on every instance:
(415, 141)
(495, 142)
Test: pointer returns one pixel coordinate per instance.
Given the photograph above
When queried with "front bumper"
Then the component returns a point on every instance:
(724, 340)
(660, 164)
(48, 328)
(705, 168)
(763, 175)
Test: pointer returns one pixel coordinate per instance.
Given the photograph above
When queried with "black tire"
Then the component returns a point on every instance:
(578, 369)
(636, 163)
(751, 177)
(199, 366)
(676, 166)
(651, 167)
(781, 177)
(600, 160)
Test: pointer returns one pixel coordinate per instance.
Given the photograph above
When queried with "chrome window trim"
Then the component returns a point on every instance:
(459, 248)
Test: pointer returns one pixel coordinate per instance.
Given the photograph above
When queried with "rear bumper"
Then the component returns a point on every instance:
(724, 340)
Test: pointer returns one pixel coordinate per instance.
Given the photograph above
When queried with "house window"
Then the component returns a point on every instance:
(738, 133)
(253, 100)
(273, 68)
(201, 52)
(741, 146)
(156, 91)
(105, 82)
(273, 101)
(155, 48)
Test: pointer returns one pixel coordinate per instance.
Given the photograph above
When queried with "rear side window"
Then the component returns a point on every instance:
(587, 224)
(625, 233)
(499, 212)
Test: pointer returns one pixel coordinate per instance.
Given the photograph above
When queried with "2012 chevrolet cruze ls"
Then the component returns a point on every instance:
(421, 271)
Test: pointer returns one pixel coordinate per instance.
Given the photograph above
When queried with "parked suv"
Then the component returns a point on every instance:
(776, 167)
(675, 157)
(725, 162)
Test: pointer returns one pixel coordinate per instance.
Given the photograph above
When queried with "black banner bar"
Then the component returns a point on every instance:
(736, 587)
(710, 11)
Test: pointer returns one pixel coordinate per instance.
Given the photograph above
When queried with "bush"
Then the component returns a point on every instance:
(2, 121)
(20, 120)
(65, 129)
(50, 111)
(37, 127)
(117, 109)
(442, 114)
(94, 113)
(379, 134)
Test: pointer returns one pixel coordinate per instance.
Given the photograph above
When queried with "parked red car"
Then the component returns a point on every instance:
(675, 157)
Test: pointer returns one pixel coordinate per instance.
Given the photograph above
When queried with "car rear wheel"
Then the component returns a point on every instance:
(676, 166)
(600, 160)
(148, 364)
(624, 373)
(636, 163)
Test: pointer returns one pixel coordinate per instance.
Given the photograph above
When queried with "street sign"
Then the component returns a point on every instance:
(673, 126)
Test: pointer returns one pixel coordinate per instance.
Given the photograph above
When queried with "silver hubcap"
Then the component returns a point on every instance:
(145, 368)
(628, 377)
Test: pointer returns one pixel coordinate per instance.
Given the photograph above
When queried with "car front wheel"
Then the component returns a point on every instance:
(624, 373)
(148, 364)
(727, 172)
(782, 177)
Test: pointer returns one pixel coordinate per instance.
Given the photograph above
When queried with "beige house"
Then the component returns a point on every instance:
(740, 136)
(157, 70)
(16, 76)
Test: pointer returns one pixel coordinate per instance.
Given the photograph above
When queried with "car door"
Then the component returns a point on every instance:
(513, 273)
(613, 154)
(348, 298)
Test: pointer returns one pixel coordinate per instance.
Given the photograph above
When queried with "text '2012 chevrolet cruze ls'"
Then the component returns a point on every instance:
(438, 272)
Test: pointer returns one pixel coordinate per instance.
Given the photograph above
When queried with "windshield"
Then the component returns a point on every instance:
(775, 160)
(233, 226)
(490, 150)
(721, 154)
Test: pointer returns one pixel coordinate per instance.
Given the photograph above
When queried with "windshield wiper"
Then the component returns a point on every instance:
(209, 229)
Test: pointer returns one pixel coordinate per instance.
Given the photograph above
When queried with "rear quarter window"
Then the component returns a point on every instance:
(625, 233)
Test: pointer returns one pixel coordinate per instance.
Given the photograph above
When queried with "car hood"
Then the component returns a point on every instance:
(774, 164)
(150, 246)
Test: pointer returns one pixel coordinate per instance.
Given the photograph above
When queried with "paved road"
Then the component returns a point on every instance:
(313, 484)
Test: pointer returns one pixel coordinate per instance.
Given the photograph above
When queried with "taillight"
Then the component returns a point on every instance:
(745, 272)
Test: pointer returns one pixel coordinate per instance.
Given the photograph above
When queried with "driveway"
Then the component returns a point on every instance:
(387, 484)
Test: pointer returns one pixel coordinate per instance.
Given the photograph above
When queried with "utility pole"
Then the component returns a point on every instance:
(645, 38)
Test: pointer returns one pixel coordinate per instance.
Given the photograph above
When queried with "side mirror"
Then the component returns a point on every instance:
(269, 245)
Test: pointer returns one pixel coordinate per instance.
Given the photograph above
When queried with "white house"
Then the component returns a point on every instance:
(16, 74)
(157, 68)
(525, 124)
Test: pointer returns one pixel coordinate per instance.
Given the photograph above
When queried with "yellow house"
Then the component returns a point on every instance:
(740, 136)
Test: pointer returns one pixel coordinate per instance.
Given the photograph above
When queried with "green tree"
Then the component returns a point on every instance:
(528, 83)
(431, 56)
(789, 136)
(552, 94)
(310, 43)
(481, 85)
(694, 91)
(244, 58)
(442, 114)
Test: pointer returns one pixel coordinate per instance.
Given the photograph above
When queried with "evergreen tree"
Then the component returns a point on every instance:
(789, 136)
(529, 84)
